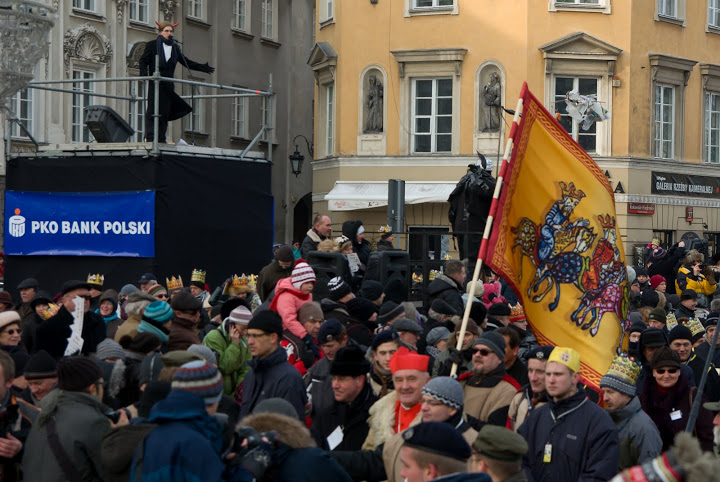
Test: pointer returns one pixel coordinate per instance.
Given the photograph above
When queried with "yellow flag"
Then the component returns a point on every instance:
(556, 242)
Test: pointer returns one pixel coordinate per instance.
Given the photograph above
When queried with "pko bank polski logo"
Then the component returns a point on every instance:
(16, 226)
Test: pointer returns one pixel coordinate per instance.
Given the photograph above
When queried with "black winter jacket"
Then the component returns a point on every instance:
(446, 289)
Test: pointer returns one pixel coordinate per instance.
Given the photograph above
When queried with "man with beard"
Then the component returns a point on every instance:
(533, 394)
(463, 358)
(384, 346)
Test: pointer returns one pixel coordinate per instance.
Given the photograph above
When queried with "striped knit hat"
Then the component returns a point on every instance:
(158, 312)
(156, 290)
(201, 378)
(446, 390)
(240, 315)
(302, 273)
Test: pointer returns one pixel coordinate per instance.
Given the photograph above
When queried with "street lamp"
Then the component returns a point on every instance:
(296, 159)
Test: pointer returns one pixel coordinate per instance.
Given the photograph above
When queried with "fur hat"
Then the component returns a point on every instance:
(692, 257)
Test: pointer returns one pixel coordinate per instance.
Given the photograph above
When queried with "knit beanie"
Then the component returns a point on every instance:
(21, 359)
(285, 254)
(310, 311)
(655, 281)
(268, 321)
(127, 289)
(41, 365)
(201, 378)
(109, 349)
(493, 341)
(658, 314)
(150, 369)
(240, 315)
(446, 390)
(205, 352)
(680, 332)
(649, 298)
(77, 373)
(637, 327)
(338, 288)
(622, 376)
(158, 313)
(371, 290)
(349, 361)
(436, 335)
(361, 309)
(302, 273)
(156, 290)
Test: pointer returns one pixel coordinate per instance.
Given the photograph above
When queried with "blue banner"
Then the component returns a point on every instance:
(80, 224)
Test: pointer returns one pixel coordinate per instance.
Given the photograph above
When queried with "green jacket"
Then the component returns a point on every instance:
(232, 357)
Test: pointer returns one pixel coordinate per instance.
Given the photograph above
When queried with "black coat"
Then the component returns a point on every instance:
(667, 266)
(446, 289)
(351, 417)
(53, 333)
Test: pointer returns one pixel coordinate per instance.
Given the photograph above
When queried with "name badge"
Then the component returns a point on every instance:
(335, 438)
(676, 415)
(547, 455)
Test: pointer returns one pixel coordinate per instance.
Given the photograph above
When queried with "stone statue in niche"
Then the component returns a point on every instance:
(374, 103)
(491, 102)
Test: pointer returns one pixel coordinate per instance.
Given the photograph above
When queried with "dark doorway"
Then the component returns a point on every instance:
(302, 217)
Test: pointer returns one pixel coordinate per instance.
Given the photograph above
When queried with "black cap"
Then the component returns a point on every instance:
(28, 283)
(184, 301)
(371, 290)
(540, 352)
(499, 309)
(41, 297)
(40, 366)
(680, 332)
(73, 284)
(349, 361)
(285, 254)
(438, 437)
(442, 307)
(267, 321)
(712, 319)
(361, 309)
(665, 357)
(384, 337)
(146, 278)
(658, 314)
(688, 295)
(329, 330)
(653, 337)
(76, 373)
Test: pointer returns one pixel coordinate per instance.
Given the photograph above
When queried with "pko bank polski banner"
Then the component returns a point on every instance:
(80, 223)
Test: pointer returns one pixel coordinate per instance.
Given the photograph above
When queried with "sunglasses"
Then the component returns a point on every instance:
(671, 371)
(161, 295)
(482, 351)
(13, 331)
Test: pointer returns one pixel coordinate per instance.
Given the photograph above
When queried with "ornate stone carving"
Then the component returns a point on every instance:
(491, 101)
(374, 104)
(168, 8)
(120, 7)
(133, 58)
(86, 43)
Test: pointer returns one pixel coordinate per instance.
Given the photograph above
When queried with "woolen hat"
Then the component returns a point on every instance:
(41, 297)
(622, 376)
(40, 366)
(201, 378)
(665, 357)
(658, 314)
(150, 369)
(302, 273)
(76, 373)
(146, 278)
(499, 443)
(73, 284)
(329, 330)
(389, 310)
(499, 309)
(688, 295)
(680, 332)
(240, 315)
(155, 290)
(158, 312)
(635, 317)
(655, 281)
(442, 307)
(310, 311)
(349, 361)
(127, 289)
(371, 290)
(8, 318)
(471, 327)
(540, 352)
(138, 295)
(649, 298)
(478, 311)
(637, 327)
(185, 301)
(205, 352)
(384, 336)
(7, 299)
(285, 254)
(268, 321)
(446, 390)
(361, 309)
(109, 349)
(493, 341)
(276, 405)
(28, 283)
(440, 438)
(405, 324)
(437, 334)
(652, 337)
(338, 288)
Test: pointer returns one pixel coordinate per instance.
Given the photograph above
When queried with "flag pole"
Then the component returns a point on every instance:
(488, 225)
(695, 410)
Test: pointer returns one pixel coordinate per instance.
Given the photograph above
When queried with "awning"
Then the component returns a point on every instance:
(355, 195)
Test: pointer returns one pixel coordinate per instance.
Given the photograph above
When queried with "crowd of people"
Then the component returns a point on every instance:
(263, 379)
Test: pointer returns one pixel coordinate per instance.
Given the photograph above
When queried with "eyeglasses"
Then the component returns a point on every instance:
(13, 331)
(671, 371)
(161, 295)
(481, 351)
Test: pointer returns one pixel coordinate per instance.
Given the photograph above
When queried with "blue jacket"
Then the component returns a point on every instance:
(273, 377)
(187, 444)
(584, 440)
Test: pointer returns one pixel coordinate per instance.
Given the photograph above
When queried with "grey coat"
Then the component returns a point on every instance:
(81, 427)
(639, 438)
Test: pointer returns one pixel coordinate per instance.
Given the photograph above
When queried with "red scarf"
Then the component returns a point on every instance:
(403, 417)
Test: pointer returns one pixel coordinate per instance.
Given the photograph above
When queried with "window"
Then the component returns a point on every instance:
(240, 15)
(195, 8)
(195, 121)
(714, 13)
(139, 10)
(329, 119)
(22, 105)
(664, 116)
(432, 115)
(584, 86)
(433, 3)
(579, 2)
(668, 8)
(84, 5)
(330, 9)
(81, 99)
(239, 117)
(711, 136)
(137, 111)
(268, 19)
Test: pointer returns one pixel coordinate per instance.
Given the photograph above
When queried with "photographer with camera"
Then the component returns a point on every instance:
(692, 275)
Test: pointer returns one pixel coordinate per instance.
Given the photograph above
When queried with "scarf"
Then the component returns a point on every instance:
(110, 318)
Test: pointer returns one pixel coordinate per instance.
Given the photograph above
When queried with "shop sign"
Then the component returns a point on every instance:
(641, 208)
(684, 185)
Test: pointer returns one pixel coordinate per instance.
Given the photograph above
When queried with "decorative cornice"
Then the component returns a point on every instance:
(667, 200)
(120, 7)
(167, 7)
(86, 43)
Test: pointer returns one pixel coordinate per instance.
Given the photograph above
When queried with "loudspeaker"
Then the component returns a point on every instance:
(326, 266)
(393, 264)
(106, 125)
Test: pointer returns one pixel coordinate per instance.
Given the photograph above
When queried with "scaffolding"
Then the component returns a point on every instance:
(138, 102)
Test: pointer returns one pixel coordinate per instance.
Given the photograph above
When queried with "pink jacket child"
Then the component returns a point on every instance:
(290, 294)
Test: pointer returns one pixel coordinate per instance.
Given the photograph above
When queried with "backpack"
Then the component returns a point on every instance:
(120, 447)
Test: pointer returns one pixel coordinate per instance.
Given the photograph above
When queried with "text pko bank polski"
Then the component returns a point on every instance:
(91, 227)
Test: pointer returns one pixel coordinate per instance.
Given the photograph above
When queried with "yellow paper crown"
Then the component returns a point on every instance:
(237, 282)
(252, 281)
(624, 369)
(695, 326)
(670, 321)
(417, 278)
(517, 313)
(385, 229)
(96, 279)
(198, 275)
(567, 356)
(174, 283)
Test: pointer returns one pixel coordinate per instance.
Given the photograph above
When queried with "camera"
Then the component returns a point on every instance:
(253, 439)
(114, 415)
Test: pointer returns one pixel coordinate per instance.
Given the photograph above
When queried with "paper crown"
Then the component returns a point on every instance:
(198, 276)
(385, 229)
(252, 282)
(174, 283)
(625, 370)
(517, 314)
(341, 239)
(567, 356)
(695, 326)
(237, 282)
(417, 278)
(670, 321)
(96, 279)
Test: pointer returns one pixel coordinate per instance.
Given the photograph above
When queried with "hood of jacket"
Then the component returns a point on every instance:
(442, 283)
(57, 397)
(291, 431)
(182, 406)
(350, 229)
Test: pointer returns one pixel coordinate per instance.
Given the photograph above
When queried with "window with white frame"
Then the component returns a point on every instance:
(714, 13)
(81, 99)
(711, 135)
(668, 8)
(22, 105)
(664, 121)
(584, 86)
(239, 117)
(241, 15)
(195, 121)
(88, 5)
(269, 18)
(433, 3)
(138, 10)
(137, 111)
(329, 119)
(432, 115)
(330, 8)
(579, 2)
(196, 8)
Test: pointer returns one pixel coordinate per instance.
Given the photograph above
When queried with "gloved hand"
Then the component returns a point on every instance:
(257, 460)
(310, 345)
(455, 356)
(206, 68)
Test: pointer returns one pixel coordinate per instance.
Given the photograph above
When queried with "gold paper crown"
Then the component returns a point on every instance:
(96, 279)
(174, 283)
(695, 326)
(517, 313)
(238, 282)
(570, 191)
(607, 222)
(252, 282)
(386, 229)
(670, 321)
(624, 369)
(417, 278)
(198, 275)
(433, 274)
